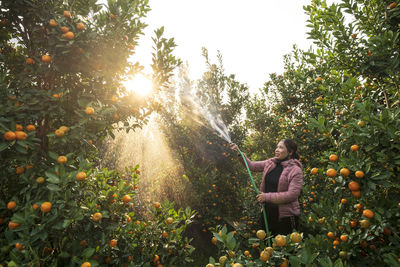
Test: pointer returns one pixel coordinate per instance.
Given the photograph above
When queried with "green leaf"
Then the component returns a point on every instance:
(52, 177)
(383, 176)
(88, 252)
(53, 187)
(3, 146)
(53, 155)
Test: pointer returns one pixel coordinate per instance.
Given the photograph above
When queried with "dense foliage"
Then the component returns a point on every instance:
(62, 64)
(340, 102)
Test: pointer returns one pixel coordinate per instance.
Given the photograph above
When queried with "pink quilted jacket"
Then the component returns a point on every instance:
(289, 186)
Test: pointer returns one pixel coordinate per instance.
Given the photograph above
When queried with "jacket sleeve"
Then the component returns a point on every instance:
(254, 166)
(288, 196)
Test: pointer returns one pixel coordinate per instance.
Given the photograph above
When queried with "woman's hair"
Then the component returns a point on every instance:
(291, 148)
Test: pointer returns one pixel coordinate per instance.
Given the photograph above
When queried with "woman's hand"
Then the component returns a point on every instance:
(260, 198)
(234, 147)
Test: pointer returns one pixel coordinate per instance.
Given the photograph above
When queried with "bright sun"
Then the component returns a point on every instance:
(139, 84)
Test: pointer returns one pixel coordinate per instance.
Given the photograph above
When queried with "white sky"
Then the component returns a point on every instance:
(252, 35)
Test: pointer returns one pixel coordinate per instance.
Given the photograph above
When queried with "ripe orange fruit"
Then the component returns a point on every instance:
(96, 217)
(359, 174)
(368, 213)
(30, 61)
(11, 205)
(80, 26)
(261, 234)
(19, 170)
(30, 128)
(89, 111)
(19, 246)
(64, 29)
(40, 180)
(284, 263)
(113, 243)
(164, 234)
(35, 206)
(126, 198)
(112, 16)
(19, 127)
(333, 158)
(314, 171)
(9, 136)
(331, 235)
(343, 201)
(20, 135)
(46, 58)
(169, 220)
(280, 240)
(53, 23)
(365, 224)
(354, 186)
(131, 47)
(387, 231)
(157, 205)
(214, 240)
(246, 253)
(62, 159)
(359, 206)
(59, 133)
(353, 223)
(363, 243)
(64, 129)
(344, 172)
(392, 5)
(319, 99)
(80, 176)
(318, 79)
(344, 238)
(295, 237)
(68, 35)
(67, 14)
(264, 256)
(354, 147)
(45, 207)
(86, 264)
(356, 194)
(13, 225)
(231, 253)
(270, 250)
(30, 166)
(331, 173)
(361, 124)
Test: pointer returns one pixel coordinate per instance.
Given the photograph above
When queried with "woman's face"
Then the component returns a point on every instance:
(281, 151)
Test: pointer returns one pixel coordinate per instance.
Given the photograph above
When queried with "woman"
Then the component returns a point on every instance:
(280, 187)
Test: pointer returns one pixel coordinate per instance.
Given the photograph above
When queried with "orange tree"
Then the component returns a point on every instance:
(217, 184)
(62, 63)
(340, 103)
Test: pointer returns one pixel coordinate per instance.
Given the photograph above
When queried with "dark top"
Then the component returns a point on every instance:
(271, 185)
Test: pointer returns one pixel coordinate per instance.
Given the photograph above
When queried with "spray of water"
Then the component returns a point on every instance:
(214, 120)
(217, 124)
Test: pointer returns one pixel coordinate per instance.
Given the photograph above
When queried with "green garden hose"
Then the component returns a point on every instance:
(258, 192)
